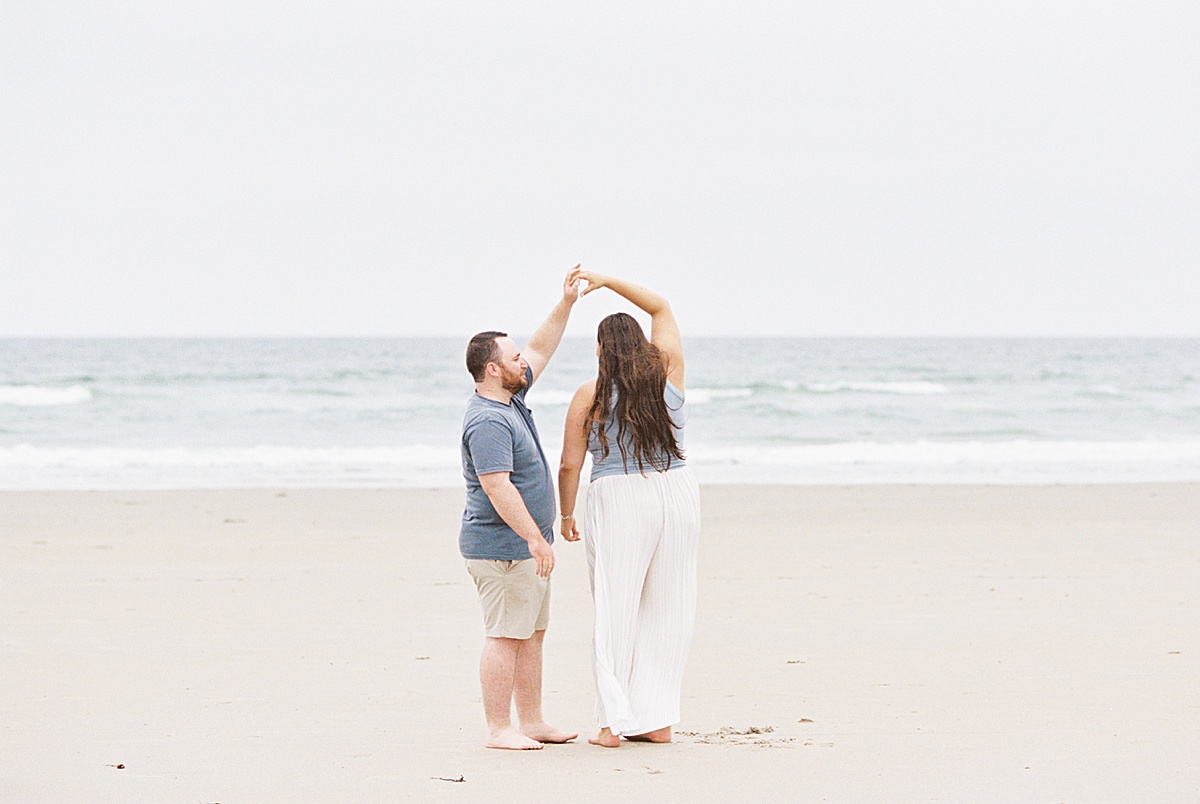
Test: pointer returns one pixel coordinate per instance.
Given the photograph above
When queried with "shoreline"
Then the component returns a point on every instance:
(854, 642)
(777, 485)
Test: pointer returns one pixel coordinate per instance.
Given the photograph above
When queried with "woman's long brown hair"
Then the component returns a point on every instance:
(635, 368)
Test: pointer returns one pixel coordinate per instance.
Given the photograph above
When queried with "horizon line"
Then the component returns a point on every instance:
(518, 335)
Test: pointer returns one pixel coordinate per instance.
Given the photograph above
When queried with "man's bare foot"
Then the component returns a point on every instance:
(606, 739)
(662, 735)
(545, 733)
(512, 739)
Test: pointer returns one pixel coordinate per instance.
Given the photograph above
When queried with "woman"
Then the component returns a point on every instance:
(642, 523)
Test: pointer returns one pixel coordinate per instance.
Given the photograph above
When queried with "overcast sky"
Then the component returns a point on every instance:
(827, 168)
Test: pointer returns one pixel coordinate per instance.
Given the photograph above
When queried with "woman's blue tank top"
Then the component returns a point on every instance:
(613, 465)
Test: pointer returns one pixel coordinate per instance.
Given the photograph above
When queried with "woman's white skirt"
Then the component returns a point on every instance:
(642, 535)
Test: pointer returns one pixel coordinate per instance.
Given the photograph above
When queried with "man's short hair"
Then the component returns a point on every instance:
(482, 350)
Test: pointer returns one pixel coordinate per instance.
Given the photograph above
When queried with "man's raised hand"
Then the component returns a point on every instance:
(571, 285)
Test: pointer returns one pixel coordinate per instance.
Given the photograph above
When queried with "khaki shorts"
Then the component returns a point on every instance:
(515, 601)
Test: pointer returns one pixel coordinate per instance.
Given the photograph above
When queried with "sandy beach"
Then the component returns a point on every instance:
(884, 643)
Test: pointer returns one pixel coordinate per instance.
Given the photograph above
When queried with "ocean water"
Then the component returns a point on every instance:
(171, 413)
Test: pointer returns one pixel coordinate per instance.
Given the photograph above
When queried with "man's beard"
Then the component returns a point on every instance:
(513, 382)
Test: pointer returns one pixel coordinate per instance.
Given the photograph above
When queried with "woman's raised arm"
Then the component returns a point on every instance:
(664, 330)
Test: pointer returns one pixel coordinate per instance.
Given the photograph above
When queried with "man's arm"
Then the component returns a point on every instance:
(541, 346)
(508, 504)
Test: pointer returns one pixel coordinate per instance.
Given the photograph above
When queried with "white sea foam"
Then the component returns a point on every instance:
(1019, 461)
(702, 396)
(919, 388)
(26, 466)
(549, 397)
(695, 396)
(24, 455)
(34, 396)
(957, 452)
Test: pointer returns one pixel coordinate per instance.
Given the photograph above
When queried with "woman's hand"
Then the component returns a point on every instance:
(594, 281)
(570, 530)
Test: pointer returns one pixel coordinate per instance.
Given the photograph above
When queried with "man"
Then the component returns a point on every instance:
(508, 525)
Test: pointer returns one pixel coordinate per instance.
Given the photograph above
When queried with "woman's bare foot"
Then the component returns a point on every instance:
(606, 739)
(662, 735)
(512, 739)
(545, 733)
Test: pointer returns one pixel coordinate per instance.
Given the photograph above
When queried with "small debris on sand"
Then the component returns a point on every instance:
(729, 730)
